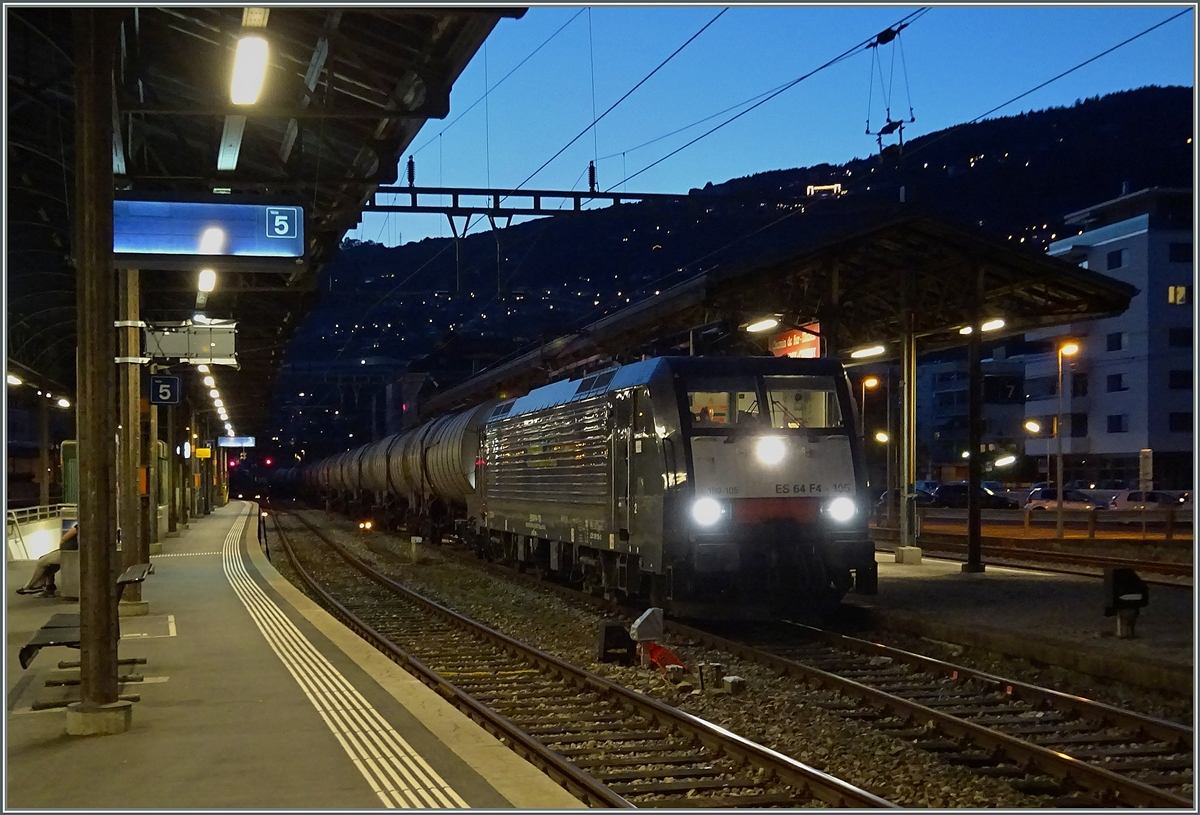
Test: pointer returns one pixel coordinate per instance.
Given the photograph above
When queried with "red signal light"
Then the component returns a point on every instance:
(268, 462)
(232, 464)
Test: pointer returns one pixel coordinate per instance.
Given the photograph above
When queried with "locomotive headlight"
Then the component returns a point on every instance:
(841, 509)
(770, 450)
(707, 511)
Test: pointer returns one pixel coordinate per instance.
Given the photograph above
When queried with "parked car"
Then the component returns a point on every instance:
(1152, 499)
(995, 486)
(924, 499)
(955, 494)
(1047, 498)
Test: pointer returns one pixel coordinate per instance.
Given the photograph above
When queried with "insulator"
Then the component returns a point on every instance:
(591, 176)
(412, 172)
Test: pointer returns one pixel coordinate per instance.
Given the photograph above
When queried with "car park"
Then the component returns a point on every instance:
(923, 499)
(955, 495)
(1147, 499)
(1047, 498)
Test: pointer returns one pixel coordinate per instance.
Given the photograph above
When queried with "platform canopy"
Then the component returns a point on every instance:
(345, 92)
(860, 272)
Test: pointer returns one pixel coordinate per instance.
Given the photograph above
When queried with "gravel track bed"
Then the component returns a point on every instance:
(776, 712)
(1109, 691)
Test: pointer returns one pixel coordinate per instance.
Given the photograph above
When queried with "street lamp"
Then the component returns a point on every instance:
(868, 382)
(1034, 427)
(1066, 349)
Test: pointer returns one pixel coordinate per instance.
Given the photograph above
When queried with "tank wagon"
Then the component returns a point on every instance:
(712, 486)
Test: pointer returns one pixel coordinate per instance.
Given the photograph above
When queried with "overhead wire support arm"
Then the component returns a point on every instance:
(500, 202)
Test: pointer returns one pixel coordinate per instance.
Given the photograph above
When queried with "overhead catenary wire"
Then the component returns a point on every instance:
(487, 91)
(1053, 79)
(906, 20)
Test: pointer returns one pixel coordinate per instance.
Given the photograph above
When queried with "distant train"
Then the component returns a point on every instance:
(717, 487)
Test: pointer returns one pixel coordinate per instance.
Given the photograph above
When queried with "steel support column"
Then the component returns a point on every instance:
(174, 488)
(98, 710)
(908, 423)
(974, 562)
(129, 385)
(43, 452)
(151, 532)
(974, 443)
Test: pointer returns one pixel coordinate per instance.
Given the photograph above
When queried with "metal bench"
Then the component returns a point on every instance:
(63, 629)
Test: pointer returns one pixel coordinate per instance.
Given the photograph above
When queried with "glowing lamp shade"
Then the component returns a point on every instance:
(871, 351)
(214, 393)
(1069, 349)
(218, 403)
(249, 69)
(871, 382)
(882, 437)
(207, 281)
(770, 450)
(209, 382)
(63, 403)
(1033, 427)
(212, 241)
(765, 324)
(202, 369)
(13, 380)
(1005, 461)
(992, 325)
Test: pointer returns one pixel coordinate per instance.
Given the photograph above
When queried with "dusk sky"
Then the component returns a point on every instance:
(961, 62)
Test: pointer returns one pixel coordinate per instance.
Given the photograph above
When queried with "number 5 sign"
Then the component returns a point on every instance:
(164, 390)
(282, 222)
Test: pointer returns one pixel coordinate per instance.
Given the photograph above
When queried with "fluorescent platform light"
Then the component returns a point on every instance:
(872, 351)
(249, 69)
(992, 325)
(765, 324)
(13, 380)
(208, 279)
(63, 403)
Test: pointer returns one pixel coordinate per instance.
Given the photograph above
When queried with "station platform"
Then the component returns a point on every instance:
(1054, 619)
(251, 697)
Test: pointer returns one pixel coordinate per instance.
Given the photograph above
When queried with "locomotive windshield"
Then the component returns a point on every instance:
(803, 401)
(723, 402)
(792, 402)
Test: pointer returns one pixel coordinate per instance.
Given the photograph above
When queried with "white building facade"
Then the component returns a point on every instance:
(1131, 386)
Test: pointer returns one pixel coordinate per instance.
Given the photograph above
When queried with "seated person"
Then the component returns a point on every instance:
(48, 565)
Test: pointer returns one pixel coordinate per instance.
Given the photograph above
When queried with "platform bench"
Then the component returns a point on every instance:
(63, 629)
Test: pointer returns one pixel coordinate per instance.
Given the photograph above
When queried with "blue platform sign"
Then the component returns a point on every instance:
(164, 390)
(199, 232)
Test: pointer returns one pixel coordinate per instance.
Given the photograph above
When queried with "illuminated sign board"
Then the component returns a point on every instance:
(801, 343)
(188, 234)
(235, 441)
(203, 452)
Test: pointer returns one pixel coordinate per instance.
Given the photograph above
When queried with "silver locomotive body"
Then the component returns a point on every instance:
(712, 486)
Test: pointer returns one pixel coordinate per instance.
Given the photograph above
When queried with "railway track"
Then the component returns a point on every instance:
(606, 744)
(997, 726)
(1040, 740)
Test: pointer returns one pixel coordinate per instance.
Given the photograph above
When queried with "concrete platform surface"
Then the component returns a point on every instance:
(1052, 618)
(252, 697)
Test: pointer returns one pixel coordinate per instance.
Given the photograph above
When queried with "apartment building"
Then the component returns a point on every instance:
(1130, 387)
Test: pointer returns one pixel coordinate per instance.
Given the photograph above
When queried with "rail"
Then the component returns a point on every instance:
(528, 719)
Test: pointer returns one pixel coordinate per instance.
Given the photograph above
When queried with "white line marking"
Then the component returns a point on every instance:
(397, 774)
(171, 625)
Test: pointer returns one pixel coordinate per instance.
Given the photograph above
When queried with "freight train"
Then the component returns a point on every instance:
(715, 487)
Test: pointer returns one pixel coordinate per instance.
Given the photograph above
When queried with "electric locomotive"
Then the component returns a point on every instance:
(716, 487)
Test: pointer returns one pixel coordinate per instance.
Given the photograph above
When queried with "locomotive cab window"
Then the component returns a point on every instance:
(803, 402)
(723, 403)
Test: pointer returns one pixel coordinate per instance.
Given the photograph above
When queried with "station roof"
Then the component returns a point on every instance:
(346, 91)
(857, 271)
